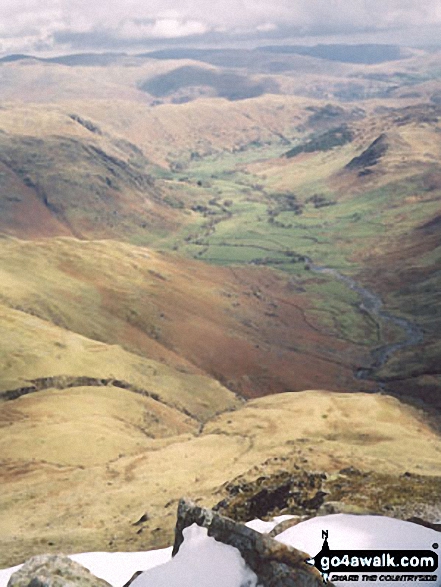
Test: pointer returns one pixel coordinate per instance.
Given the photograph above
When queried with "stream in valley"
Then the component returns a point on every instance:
(372, 304)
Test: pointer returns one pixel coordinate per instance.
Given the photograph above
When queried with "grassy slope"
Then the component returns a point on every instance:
(171, 132)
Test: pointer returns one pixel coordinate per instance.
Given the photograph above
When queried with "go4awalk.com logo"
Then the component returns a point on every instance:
(375, 565)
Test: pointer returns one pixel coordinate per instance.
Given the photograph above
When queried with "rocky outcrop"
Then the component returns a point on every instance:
(297, 492)
(275, 564)
(306, 494)
(90, 126)
(67, 382)
(49, 570)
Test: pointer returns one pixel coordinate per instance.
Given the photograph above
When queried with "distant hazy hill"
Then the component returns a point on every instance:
(342, 72)
(347, 53)
(78, 59)
(232, 86)
(367, 54)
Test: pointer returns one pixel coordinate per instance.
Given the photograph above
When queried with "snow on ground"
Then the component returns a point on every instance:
(201, 561)
(114, 567)
(204, 562)
(6, 573)
(261, 526)
(119, 567)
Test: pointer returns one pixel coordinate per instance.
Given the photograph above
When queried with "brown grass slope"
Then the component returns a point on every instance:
(404, 265)
(244, 327)
(37, 355)
(169, 133)
(105, 436)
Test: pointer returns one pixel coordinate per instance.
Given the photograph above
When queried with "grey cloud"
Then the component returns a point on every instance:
(108, 24)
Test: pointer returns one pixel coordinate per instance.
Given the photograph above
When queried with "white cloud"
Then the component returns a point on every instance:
(163, 28)
(266, 27)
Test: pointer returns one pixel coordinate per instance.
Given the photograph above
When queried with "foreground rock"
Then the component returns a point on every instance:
(49, 570)
(275, 564)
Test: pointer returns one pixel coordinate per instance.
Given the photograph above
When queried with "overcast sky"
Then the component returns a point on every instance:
(47, 26)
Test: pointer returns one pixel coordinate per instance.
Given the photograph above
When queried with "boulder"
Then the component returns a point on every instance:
(54, 570)
(275, 564)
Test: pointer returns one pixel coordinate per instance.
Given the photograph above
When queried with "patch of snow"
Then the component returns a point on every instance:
(114, 567)
(265, 527)
(201, 561)
(119, 567)
(6, 573)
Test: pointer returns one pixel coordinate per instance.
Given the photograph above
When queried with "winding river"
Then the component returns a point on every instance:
(373, 304)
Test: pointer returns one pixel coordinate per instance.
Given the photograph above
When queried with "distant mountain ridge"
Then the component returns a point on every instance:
(367, 54)
(76, 59)
(345, 53)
